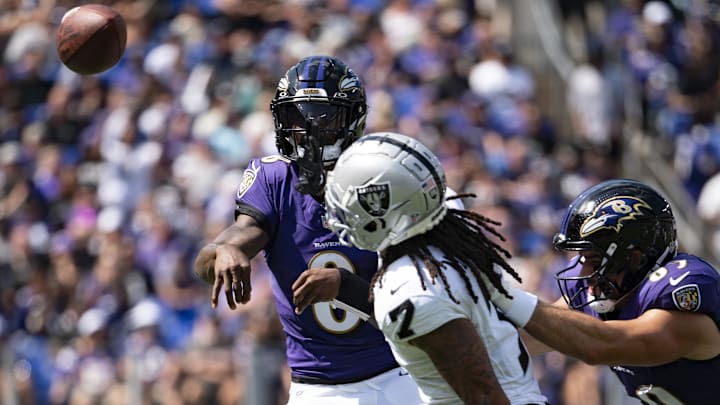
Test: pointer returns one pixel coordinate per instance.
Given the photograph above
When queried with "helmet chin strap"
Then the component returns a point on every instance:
(600, 304)
(661, 259)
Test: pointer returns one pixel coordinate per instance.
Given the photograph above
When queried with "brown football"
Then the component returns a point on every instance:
(91, 38)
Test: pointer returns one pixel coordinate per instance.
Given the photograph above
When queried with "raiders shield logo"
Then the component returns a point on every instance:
(375, 199)
(687, 298)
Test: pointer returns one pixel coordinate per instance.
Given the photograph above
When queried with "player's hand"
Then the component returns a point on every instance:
(232, 271)
(315, 285)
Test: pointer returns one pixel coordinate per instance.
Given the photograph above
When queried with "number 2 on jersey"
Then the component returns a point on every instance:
(405, 309)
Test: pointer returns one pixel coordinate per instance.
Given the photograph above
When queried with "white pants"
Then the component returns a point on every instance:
(389, 388)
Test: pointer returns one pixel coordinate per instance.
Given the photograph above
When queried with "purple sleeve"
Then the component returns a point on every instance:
(686, 284)
(255, 194)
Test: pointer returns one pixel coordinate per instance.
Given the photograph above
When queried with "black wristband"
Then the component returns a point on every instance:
(354, 291)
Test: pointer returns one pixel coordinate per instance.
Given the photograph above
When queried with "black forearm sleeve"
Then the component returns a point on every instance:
(354, 291)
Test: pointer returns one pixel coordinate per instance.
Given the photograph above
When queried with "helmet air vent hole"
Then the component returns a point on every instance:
(371, 226)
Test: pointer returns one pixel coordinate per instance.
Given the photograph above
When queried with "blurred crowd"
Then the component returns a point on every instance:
(109, 184)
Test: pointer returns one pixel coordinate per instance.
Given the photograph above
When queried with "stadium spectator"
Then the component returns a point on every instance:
(319, 110)
(646, 310)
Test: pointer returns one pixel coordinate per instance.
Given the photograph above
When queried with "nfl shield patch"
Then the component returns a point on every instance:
(375, 199)
(687, 298)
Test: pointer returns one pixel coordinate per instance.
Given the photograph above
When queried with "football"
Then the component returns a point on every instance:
(91, 38)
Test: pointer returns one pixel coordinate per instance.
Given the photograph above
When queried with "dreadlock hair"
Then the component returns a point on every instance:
(461, 237)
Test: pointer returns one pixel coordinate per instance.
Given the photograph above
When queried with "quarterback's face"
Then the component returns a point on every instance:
(325, 138)
(327, 120)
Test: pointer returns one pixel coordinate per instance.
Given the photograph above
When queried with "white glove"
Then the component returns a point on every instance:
(519, 307)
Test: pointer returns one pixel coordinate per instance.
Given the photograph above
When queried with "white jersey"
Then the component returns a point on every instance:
(429, 309)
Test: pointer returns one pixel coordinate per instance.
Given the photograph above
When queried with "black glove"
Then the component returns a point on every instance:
(312, 175)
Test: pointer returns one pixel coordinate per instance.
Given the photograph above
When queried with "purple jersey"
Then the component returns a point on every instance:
(322, 343)
(687, 283)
